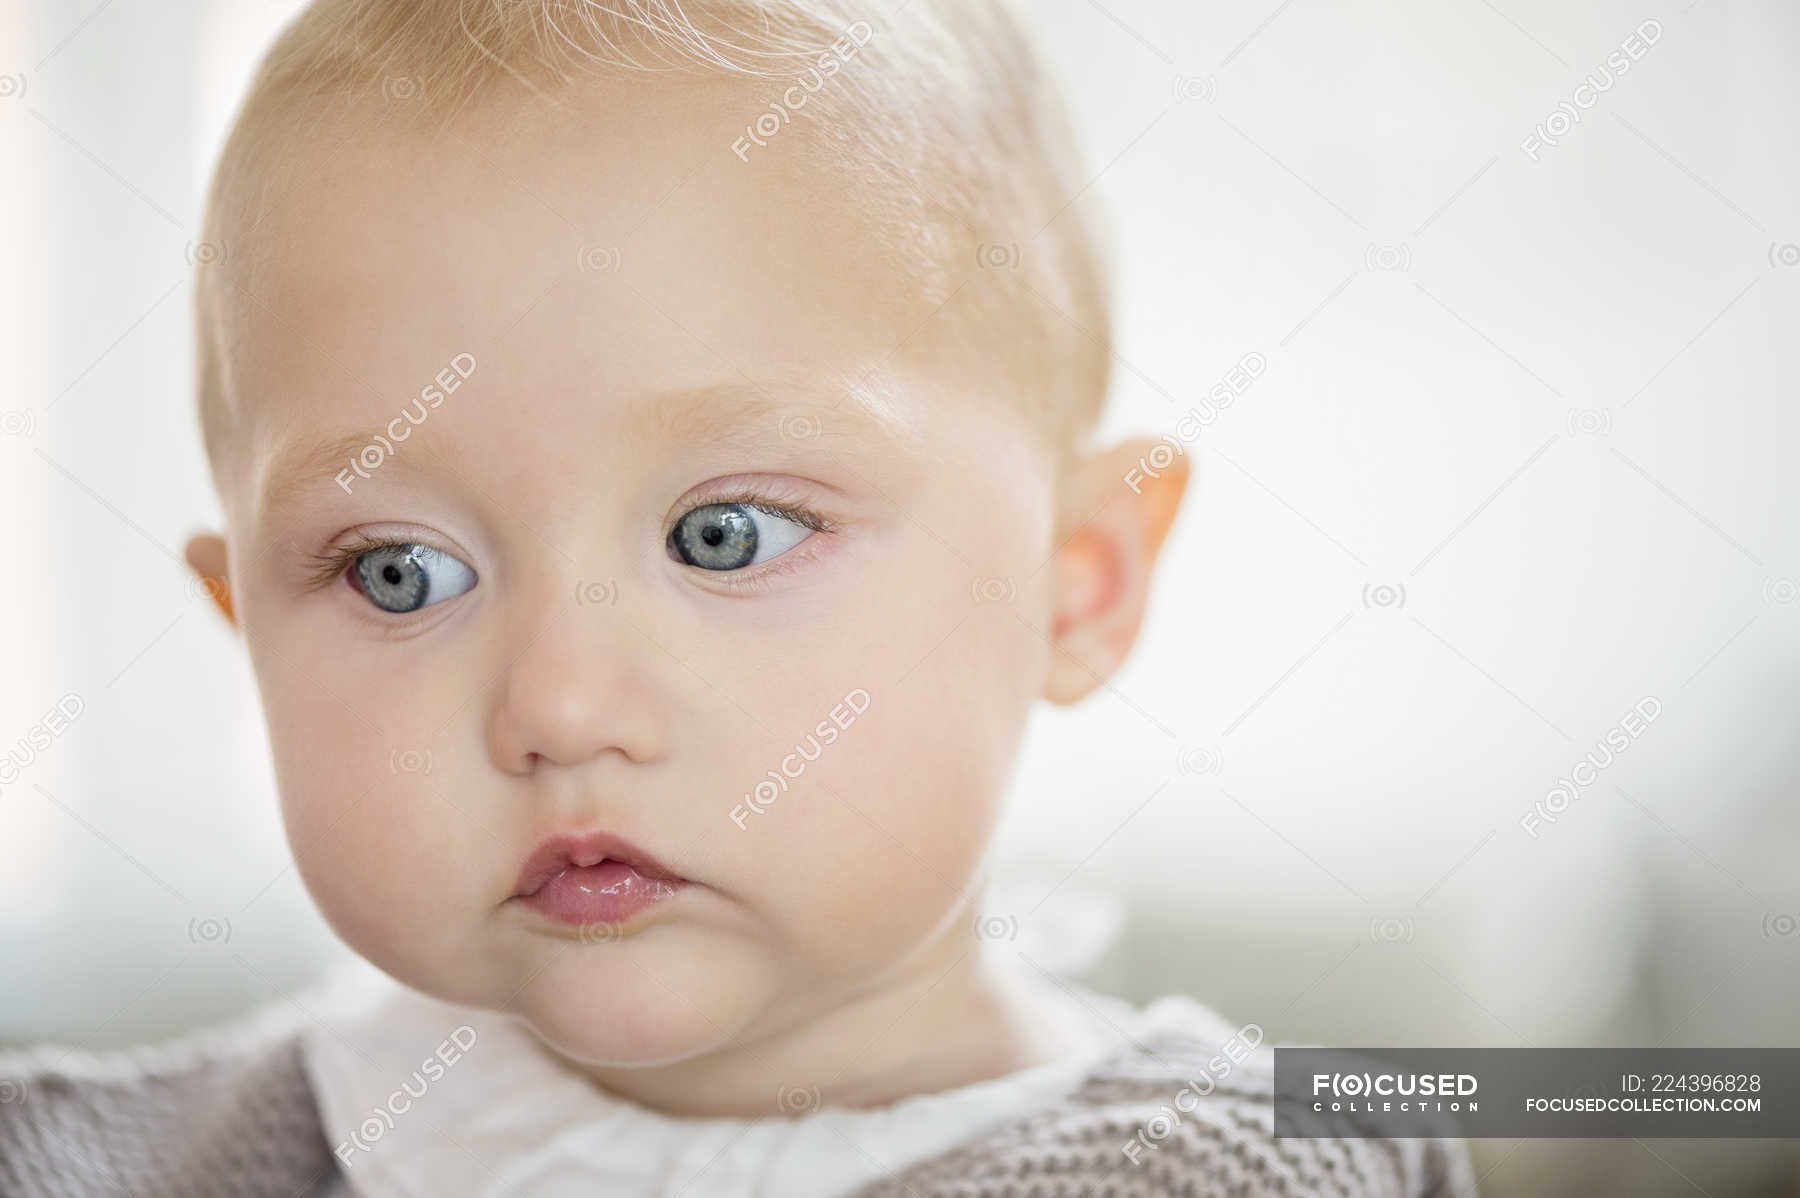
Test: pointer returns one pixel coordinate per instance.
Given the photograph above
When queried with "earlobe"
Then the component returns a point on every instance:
(1120, 517)
(206, 556)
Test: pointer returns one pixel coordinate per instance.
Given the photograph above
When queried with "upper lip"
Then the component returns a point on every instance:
(558, 853)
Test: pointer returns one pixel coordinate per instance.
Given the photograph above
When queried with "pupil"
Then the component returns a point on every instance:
(391, 574)
(712, 534)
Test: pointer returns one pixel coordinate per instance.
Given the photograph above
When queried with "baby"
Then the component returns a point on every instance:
(653, 445)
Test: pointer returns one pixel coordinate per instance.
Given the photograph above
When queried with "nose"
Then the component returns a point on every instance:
(578, 691)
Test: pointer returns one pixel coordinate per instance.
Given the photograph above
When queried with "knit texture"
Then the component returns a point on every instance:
(230, 1112)
(1178, 1116)
(224, 1113)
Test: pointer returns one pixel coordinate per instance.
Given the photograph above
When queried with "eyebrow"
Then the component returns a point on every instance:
(736, 415)
(745, 414)
(296, 470)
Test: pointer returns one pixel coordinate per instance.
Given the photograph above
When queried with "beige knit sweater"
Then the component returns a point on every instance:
(230, 1112)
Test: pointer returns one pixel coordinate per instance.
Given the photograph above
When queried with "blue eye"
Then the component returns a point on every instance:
(405, 578)
(730, 536)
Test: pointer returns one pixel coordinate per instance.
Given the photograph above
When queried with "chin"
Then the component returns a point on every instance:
(651, 999)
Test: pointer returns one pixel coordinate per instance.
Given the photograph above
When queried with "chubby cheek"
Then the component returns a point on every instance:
(870, 840)
(378, 833)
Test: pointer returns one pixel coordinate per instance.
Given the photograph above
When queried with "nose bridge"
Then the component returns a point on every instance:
(578, 684)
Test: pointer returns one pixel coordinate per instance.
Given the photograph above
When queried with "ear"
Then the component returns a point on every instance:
(1115, 514)
(206, 557)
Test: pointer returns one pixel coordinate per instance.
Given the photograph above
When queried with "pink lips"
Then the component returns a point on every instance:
(593, 879)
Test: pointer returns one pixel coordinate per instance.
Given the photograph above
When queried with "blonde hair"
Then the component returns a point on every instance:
(944, 113)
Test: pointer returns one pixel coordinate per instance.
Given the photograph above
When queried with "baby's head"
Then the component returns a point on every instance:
(663, 422)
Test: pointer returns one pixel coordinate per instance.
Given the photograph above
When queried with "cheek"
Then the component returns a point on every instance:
(371, 815)
(876, 837)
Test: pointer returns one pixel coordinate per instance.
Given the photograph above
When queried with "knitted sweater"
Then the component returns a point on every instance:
(230, 1112)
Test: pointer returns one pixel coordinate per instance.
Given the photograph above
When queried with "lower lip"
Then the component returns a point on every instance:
(608, 893)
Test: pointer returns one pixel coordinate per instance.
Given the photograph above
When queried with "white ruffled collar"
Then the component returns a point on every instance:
(419, 1096)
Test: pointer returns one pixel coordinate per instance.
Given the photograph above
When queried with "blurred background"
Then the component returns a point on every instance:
(1488, 380)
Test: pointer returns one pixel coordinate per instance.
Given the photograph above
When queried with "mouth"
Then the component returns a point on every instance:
(593, 880)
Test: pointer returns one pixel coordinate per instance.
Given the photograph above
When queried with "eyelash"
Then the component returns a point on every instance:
(772, 501)
(326, 568)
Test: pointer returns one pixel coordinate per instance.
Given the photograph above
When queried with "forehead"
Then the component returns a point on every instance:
(605, 249)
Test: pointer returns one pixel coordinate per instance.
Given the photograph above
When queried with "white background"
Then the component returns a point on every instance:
(1521, 458)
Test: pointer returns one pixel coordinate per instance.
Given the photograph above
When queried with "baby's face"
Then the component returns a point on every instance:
(698, 553)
